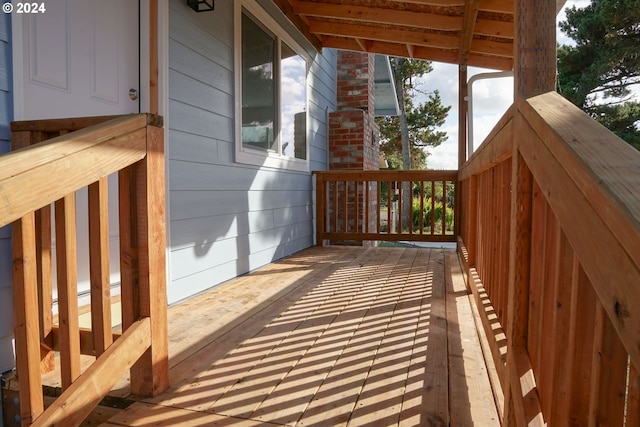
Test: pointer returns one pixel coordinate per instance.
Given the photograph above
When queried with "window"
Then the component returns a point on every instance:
(272, 91)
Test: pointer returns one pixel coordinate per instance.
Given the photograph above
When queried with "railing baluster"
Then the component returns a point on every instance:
(356, 188)
(433, 207)
(336, 228)
(99, 265)
(389, 189)
(444, 207)
(410, 198)
(421, 207)
(25, 311)
(45, 271)
(67, 275)
(345, 206)
(127, 207)
(321, 207)
(379, 208)
(400, 207)
(350, 207)
(367, 202)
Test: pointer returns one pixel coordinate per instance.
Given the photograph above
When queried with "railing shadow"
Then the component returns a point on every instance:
(360, 338)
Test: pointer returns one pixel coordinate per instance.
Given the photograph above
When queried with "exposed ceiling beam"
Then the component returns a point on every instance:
(377, 15)
(473, 32)
(285, 6)
(379, 33)
(468, 28)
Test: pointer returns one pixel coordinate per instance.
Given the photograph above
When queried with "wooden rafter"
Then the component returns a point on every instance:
(473, 32)
(471, 8)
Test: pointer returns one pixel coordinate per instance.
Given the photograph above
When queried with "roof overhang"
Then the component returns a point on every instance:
(478, 33)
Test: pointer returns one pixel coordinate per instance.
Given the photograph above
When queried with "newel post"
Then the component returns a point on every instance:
(534, 74)
(143, 270)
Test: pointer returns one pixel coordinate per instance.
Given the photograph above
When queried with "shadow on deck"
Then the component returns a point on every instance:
(330, 336)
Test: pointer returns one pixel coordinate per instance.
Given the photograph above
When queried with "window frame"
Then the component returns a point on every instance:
(246, 154)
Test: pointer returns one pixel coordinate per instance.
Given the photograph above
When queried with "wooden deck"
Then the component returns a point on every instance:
(330, 336)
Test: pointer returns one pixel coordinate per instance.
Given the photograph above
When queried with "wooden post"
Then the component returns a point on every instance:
(535, 47)
(462, 115)
(462, 144)
(534, 73)
(150, 375)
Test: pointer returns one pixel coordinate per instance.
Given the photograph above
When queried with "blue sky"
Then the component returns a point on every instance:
(491, 100)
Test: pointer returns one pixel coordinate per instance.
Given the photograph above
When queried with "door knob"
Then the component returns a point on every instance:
(133, 94)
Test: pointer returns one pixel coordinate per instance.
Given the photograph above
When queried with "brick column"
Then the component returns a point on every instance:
(353, 133)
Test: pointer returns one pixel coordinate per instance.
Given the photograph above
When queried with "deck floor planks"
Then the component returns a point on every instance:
(197, 380)
(426, 398)
(472, 401)
(381, 398)
(291, 397)
(300, 329)
(329, 336)
(338, 395)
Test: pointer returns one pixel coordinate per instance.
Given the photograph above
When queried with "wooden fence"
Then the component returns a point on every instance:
(54, 159)
(385, 205)
(550, 237)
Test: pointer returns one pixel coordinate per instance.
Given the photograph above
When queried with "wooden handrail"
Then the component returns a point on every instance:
(52, 160)
(591, 172)
(565, 314)
(350, 205)
(84, 156)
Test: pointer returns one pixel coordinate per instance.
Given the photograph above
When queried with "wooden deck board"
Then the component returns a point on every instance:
(330, 336)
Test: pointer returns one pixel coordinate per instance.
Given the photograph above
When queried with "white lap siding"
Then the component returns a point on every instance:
(228, 218)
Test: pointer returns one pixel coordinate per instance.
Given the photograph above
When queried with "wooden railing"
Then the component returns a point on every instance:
(550, 237)
(54, 159)
(385, 205)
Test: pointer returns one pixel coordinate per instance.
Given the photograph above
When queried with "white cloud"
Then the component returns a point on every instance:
(491, 98)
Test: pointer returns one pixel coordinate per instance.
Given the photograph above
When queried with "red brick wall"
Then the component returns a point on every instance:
(352, 130)
(355, 81)
(353, 143)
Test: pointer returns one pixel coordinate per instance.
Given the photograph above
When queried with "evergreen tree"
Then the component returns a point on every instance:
(598, 72)
(422, 119)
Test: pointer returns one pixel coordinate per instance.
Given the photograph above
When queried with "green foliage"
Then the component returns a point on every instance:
(437, 206)
(596, 74)
(426, 216)
(423, 119)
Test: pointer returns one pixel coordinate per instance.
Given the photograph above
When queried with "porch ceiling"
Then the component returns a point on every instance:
(470, 32)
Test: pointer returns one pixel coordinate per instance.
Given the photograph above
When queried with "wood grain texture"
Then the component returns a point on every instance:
(603, 252)
(25, 302)
(77, 402)
(67, 275)
(327, 336)
(99, 265)
(102, 150)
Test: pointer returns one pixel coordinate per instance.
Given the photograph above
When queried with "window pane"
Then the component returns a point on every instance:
(258, 86)
(293, 103)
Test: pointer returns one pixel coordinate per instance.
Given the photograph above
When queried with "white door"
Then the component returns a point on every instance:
(81, 58)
